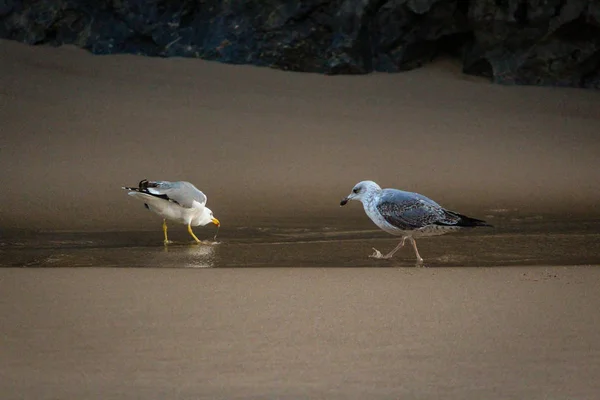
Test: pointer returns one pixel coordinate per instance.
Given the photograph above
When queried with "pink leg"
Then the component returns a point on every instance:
(377, 253)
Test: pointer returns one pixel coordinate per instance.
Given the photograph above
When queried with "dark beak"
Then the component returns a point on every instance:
(344, 201)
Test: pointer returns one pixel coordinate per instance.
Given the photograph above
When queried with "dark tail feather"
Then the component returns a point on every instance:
(463, 220)
(145, 184)
(142, 186)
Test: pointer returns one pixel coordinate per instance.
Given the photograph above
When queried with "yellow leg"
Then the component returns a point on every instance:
(165, 231)
(192, 233)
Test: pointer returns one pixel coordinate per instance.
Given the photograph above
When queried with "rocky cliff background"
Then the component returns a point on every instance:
(532, 42)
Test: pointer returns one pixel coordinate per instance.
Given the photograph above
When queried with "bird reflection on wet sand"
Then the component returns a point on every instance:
(192, 255)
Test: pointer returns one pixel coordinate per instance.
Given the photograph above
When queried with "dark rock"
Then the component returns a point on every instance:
(6, 6)
(555, 42)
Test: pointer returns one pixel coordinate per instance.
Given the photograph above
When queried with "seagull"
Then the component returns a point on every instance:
(407, 214)
(177, 201)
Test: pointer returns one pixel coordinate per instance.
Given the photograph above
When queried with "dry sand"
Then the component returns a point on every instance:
(284, 333)
(269, 144)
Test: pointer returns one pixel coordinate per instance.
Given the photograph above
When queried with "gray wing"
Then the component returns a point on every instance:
(182, 193)
(409, 211)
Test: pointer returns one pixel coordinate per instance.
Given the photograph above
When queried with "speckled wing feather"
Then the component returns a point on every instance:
(410, 211)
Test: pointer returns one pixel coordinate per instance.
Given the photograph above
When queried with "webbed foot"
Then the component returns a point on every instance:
(377, 254)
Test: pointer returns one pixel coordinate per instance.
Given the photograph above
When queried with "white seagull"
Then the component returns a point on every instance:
(407, 214)
(177, 201)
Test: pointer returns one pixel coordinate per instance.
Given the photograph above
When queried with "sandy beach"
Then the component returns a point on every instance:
(286, 303)
(286, 333)
(266, 144)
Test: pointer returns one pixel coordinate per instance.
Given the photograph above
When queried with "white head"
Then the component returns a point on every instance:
(207, 217)
(361, 191)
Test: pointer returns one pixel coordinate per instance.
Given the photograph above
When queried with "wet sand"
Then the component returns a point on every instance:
(512, 242)
(289, 333)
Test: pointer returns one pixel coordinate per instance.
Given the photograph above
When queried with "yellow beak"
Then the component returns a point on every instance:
(216, 222)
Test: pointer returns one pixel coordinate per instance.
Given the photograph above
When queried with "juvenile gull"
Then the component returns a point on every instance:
(407, 214)
(177, 201)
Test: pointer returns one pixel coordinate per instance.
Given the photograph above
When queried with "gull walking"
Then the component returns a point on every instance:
(407, 214)
(177, 201)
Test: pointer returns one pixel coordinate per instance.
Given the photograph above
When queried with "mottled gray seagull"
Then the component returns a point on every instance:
(407, 214)
(177, 201)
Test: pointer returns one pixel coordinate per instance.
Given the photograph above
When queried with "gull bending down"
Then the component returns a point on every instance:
(407, 214)
(177, 201)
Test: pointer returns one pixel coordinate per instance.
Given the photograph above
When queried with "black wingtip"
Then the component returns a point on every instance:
(471, 222)
(143, 184)
(464, 221)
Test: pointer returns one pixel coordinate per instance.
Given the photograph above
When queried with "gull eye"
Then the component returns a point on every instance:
(355, 190)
